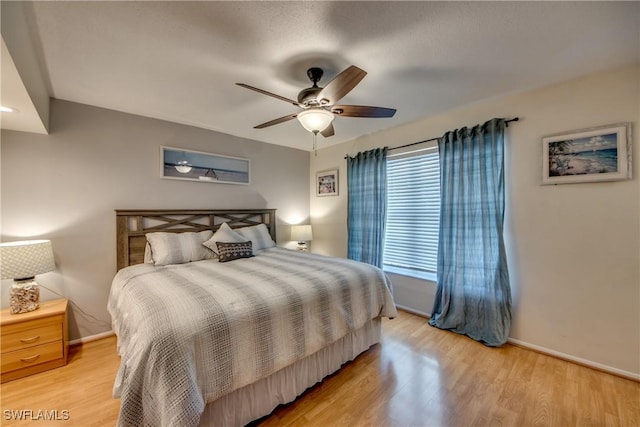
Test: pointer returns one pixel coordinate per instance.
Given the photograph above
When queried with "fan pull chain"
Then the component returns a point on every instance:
(315, 143)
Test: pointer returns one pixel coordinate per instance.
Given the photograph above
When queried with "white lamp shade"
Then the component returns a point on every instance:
(315, 119)
(25, 259)
(301, 233)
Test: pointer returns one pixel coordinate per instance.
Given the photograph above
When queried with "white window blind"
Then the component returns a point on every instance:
(413, 213)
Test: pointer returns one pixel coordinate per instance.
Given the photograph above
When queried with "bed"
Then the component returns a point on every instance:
(216, 343)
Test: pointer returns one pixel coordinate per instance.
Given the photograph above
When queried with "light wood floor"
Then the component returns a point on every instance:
(418, 376)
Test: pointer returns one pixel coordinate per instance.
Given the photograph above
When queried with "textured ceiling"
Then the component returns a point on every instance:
(179, 61)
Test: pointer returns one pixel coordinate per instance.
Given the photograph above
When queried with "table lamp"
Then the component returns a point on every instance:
(302, 234)
(21, 261)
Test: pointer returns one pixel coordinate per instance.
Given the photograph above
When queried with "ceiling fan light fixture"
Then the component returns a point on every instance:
(318, 104)
(315, 119)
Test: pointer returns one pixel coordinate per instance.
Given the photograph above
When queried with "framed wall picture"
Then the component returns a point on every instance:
(327, 183)
(188, 165)
(588, 155)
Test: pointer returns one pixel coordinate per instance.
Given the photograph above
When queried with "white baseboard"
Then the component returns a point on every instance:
(414, 311)
(90, 338)
(584, 362)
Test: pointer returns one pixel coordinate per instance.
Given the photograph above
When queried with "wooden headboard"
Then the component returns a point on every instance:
(133, 225)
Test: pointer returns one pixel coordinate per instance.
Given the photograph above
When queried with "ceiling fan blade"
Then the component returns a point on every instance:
(328, 131)
(341, 85)
(362, 111)
(264, 92)
(276, 121)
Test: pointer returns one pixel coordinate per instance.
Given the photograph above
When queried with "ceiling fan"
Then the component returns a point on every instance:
(319, 104)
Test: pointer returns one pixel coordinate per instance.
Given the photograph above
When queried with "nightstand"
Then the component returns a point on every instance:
(35, 341)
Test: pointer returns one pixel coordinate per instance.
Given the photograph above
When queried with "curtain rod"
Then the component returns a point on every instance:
(515, 119)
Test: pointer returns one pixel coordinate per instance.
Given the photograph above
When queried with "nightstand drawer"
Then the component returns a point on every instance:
(32, 356)
(22, 323)
(48, 332)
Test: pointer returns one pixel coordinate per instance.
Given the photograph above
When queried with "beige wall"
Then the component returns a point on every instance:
(573, 250)
(65, 186)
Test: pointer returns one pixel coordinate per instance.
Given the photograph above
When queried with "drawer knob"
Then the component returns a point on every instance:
(30, 340)
(30, 359)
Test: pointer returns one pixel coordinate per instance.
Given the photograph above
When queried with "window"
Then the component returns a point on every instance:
(413, 214)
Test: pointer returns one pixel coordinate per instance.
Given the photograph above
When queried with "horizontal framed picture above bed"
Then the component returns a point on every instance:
(189, 165)
(596, 154)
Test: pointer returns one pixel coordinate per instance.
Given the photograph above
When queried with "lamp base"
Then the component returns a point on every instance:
(25, 296)
(302, 247)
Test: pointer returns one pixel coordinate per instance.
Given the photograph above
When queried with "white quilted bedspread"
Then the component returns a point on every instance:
(191, 333)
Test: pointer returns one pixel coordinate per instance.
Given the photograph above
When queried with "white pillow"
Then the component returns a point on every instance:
(178, 248)
(148, 256)
(224, 234)
(259, 236)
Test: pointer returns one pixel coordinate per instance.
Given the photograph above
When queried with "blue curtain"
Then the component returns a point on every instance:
(473, 295)
(367, 205)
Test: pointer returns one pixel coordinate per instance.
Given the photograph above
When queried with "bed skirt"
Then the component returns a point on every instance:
(260, 398)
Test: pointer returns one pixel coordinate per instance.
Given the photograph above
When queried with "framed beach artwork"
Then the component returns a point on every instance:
(596, 154)
(327, 183)
(188, 165)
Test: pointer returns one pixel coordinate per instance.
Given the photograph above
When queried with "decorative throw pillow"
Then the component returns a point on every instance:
(231, 251)
(224, 234)
(178, 248)
(259, 236)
